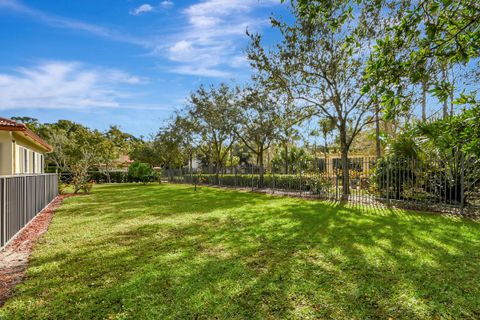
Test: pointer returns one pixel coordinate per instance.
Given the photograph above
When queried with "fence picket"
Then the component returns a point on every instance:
(22, 198)
(435, 184)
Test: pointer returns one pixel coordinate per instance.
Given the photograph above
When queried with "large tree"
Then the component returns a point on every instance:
(421, 46)
(320, 64)
(213, 112)
(258, 122)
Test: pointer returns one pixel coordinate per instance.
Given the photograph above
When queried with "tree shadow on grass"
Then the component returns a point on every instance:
(117, 203)
(224, 254)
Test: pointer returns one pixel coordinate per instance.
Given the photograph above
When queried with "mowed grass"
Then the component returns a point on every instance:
(168, 252)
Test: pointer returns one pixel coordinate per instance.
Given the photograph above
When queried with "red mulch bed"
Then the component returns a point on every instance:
(14, 257)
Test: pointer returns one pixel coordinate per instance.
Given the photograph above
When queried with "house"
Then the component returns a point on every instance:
(21, 150)
(123, 162)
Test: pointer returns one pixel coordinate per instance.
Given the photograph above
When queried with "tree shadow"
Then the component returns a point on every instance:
(170, 252)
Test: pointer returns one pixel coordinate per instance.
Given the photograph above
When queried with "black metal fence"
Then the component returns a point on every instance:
(438, 184)
(22, 197)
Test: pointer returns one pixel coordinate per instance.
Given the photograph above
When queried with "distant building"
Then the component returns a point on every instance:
(21, 150)
(123, 162)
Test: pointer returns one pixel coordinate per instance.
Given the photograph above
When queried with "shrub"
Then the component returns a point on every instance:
(62, 187)
(115, 177)
(141, 172)
(289, 182)
(87, 187)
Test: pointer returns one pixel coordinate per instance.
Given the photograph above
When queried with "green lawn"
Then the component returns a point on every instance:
(167, 252)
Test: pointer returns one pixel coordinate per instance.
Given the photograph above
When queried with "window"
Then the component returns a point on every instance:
(42, 163)
(34, 162)
(25, 161)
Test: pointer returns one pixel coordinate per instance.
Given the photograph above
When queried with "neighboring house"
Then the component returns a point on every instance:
(123, 162)
(21, 150)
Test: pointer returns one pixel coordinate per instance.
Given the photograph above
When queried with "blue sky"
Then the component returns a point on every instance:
(124, 62)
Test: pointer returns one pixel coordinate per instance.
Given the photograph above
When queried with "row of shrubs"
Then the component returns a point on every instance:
(137, 172)
(309, 183)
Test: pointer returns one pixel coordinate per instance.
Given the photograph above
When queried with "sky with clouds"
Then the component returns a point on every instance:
(124, 62)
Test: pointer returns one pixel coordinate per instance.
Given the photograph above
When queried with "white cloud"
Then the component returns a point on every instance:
(239, 61)
(141, 9)
(181, 47)
(72, 24)
(210, 43)
(167, 4)
(62, 84)
(146, 7)
(201, 71)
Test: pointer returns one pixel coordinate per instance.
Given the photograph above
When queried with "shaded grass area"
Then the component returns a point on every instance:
(167, 252)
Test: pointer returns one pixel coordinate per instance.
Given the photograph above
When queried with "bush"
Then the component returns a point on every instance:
(141, 172)
(87, 187)
(62, 187)
(115, 177)
(289, 182)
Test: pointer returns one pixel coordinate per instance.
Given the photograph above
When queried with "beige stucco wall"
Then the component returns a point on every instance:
(10, 143)
(6, 153)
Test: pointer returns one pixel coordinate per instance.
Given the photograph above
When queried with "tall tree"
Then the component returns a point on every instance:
(258, 121)
(427, 34)
(213, 110)
(320, 63)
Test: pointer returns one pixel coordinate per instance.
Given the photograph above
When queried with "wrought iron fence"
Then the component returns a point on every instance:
(450, 184)
(22, 197)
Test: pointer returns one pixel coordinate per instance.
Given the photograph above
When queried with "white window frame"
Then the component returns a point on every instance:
(34, 162)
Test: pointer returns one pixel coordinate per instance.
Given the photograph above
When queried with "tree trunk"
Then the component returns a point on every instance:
(451, 103)
(325, 150)
(344, 159)
(190, 158)
(217, 169)
(424, 101)
(286, 157)
(261, 169)
(378, 147)
(445, 103)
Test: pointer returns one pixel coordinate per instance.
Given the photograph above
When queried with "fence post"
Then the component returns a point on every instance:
(387, 164)
(273, 178)
(3, 217)
(336, 182)
(195, 180)
(25, 198)
(47, 178)
(252, 176)
(301, 176)
(462, 184)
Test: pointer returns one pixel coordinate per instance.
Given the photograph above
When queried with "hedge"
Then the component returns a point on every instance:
(100, 177)
(288, 182)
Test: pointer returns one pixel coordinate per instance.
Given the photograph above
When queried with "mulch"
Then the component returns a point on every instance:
(14, 257)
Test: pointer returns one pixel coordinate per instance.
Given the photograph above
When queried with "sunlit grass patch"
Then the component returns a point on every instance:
(166, 251)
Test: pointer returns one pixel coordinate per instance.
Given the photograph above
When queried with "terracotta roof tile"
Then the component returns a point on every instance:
(11, 125)
(4, 122)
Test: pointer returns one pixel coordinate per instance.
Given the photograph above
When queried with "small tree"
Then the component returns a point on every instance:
(141, 172)
(258, 122)
(108, 156)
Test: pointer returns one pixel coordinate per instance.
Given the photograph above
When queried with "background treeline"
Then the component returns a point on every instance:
(81, 154)
(385, 78)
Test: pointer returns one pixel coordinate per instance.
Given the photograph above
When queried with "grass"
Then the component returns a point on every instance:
(167, 252)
